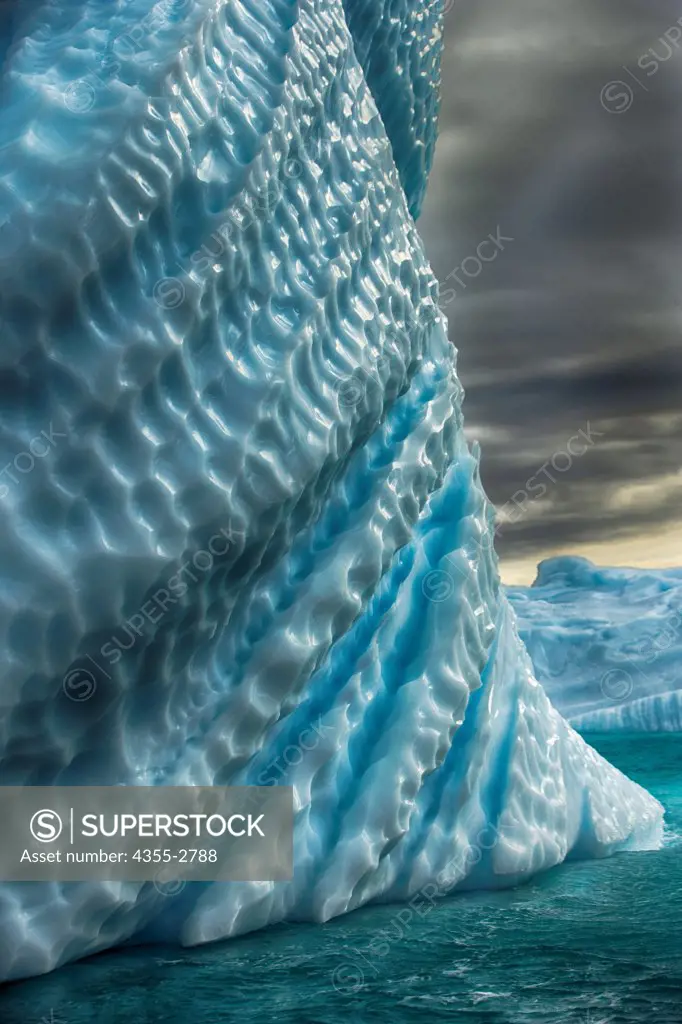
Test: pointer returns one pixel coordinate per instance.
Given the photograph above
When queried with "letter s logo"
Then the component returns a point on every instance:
(617, 97)
(46, 826)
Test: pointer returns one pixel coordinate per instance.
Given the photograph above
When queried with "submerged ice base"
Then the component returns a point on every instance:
(259, 520)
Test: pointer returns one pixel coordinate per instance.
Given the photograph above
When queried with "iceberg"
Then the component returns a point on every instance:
(244, 539)
(606, 644)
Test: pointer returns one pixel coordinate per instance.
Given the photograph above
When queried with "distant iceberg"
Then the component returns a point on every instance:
(244, 538)
(606, 644)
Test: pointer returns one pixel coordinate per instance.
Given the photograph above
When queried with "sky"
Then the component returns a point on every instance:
(553, 221)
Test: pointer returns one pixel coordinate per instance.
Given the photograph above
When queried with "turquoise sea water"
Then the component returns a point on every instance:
(587, 943)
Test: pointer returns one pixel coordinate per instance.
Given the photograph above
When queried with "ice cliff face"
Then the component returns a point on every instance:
(606, 644)
(243, 538)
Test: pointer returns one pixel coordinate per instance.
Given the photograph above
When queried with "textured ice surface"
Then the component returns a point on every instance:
(243, 538)
(606, 643)
(399, 47)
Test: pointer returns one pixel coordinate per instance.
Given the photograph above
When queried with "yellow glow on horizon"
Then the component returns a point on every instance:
(659, 550)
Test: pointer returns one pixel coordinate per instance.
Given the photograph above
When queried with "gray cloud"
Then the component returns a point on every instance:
(560, 126)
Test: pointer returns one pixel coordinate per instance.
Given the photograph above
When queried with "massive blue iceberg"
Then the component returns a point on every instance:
(243, 537)
(606, 644)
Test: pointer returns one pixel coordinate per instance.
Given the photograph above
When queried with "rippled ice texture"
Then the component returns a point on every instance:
(251, 515)
(606, 644)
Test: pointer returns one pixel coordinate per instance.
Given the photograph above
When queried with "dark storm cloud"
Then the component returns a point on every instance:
(560, 131)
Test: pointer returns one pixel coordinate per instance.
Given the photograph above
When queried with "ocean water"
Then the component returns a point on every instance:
(587, 943)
